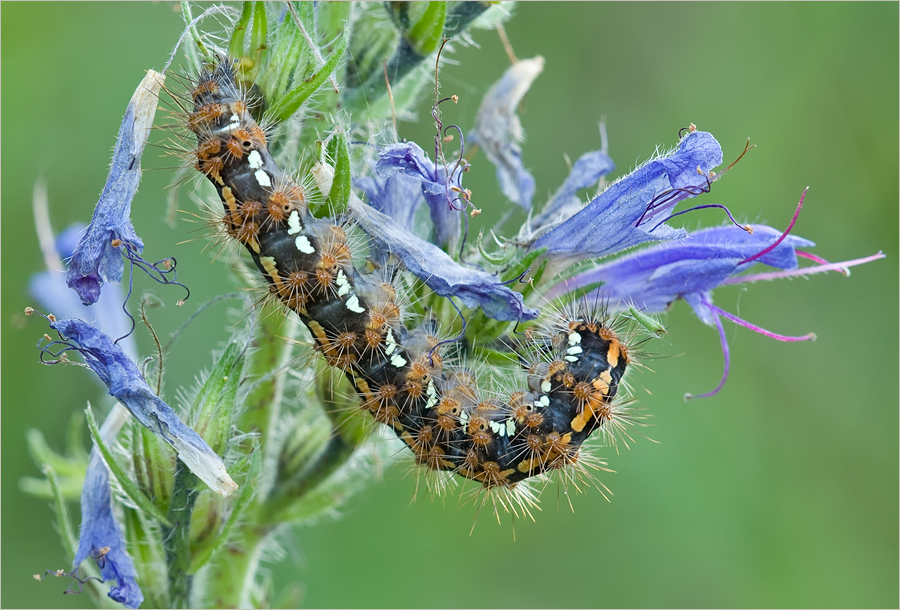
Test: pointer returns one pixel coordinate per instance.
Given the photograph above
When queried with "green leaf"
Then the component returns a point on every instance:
(128, 486)
(339, 151)
(425, 34)
(285, 106)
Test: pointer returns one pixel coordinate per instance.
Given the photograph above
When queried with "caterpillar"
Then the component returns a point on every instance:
(574, 368)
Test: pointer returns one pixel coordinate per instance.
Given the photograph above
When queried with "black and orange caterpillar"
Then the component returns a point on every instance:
(573, 373)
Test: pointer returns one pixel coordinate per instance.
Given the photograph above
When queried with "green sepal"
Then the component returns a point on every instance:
(426, 33)
(287, 54)
(215, 403)
(287, 104)
(339, 151)
(205, 551)
(236, 46)
(503, 258)
(152, 460)
(649, 323)
(249, 50)
(125, 482)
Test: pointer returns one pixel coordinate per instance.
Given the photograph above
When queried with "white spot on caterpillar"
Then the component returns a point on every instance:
(255, 160)
(574, 338)
(575, 349)
(571, 358)
(545, 385)
(294, 225)
(510, 427)
(343, 284)
(263, 178)
(235, 121)
(303, 245)
(353, 305)
(542, 402)
(498, 428)
(464, 418)
(398, 360)
(390, 342)
(432, 395)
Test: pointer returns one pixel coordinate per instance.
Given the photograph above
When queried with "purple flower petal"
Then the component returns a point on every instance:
(498, 130)
(655, 277)
(125, 383)
(96, 259)
(440, 272)
(397, 196)
(627, 213)
(586, 172)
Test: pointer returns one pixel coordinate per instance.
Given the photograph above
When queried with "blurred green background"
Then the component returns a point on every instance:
(780, 491)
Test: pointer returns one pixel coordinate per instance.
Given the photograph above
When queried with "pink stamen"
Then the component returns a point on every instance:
(725, 351)
(821, 261)
(774, 275)
(783, 235)
(754, 327)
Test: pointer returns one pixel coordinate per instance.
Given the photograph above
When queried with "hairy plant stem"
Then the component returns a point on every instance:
(233, 575)
(177, 537)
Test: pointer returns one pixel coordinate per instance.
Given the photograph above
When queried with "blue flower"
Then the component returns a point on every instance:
(440, 272)
(101, 536)
(628, 212)
(443, 191)
(498, 130)
(125, 383)
(691, 268)
(98, 257)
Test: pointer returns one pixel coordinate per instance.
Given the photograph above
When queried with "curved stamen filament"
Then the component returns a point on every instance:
(754, 327)
(790, 226)
(746, 228)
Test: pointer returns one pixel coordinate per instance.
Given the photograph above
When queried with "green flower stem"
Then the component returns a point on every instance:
(177, 537)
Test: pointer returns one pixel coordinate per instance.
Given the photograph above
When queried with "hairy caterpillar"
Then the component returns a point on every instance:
(574, 368)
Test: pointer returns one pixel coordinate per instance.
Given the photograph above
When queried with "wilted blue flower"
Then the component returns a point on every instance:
(125, 383)
(50, 290)
(628, 212)
(498, 130)
(440, 272)
(101, 536)
(98, 257)
(443, 193)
